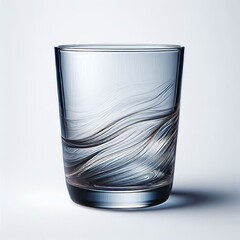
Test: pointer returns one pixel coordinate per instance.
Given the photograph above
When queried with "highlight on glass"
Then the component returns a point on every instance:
(119, 112)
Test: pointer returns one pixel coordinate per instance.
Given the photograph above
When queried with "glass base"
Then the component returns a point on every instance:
(119, 199)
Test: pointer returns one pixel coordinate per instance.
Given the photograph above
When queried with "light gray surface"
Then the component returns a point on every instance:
(34, 202)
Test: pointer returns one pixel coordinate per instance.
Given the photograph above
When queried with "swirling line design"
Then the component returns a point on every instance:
(128, 144)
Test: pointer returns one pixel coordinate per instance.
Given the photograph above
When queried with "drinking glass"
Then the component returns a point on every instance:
(119, 111)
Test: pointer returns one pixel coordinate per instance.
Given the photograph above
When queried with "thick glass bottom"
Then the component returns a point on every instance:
(119, 199)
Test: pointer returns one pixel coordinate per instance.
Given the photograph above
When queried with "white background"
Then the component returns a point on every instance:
(205, 203)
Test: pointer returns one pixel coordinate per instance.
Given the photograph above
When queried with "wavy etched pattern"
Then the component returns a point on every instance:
(126, 144)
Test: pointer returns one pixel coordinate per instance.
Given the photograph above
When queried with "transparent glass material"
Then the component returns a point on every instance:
(119, 110)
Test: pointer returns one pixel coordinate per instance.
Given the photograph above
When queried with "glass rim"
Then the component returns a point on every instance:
(119, 47)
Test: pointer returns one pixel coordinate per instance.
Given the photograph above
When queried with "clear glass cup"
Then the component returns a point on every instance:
(119, 111)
